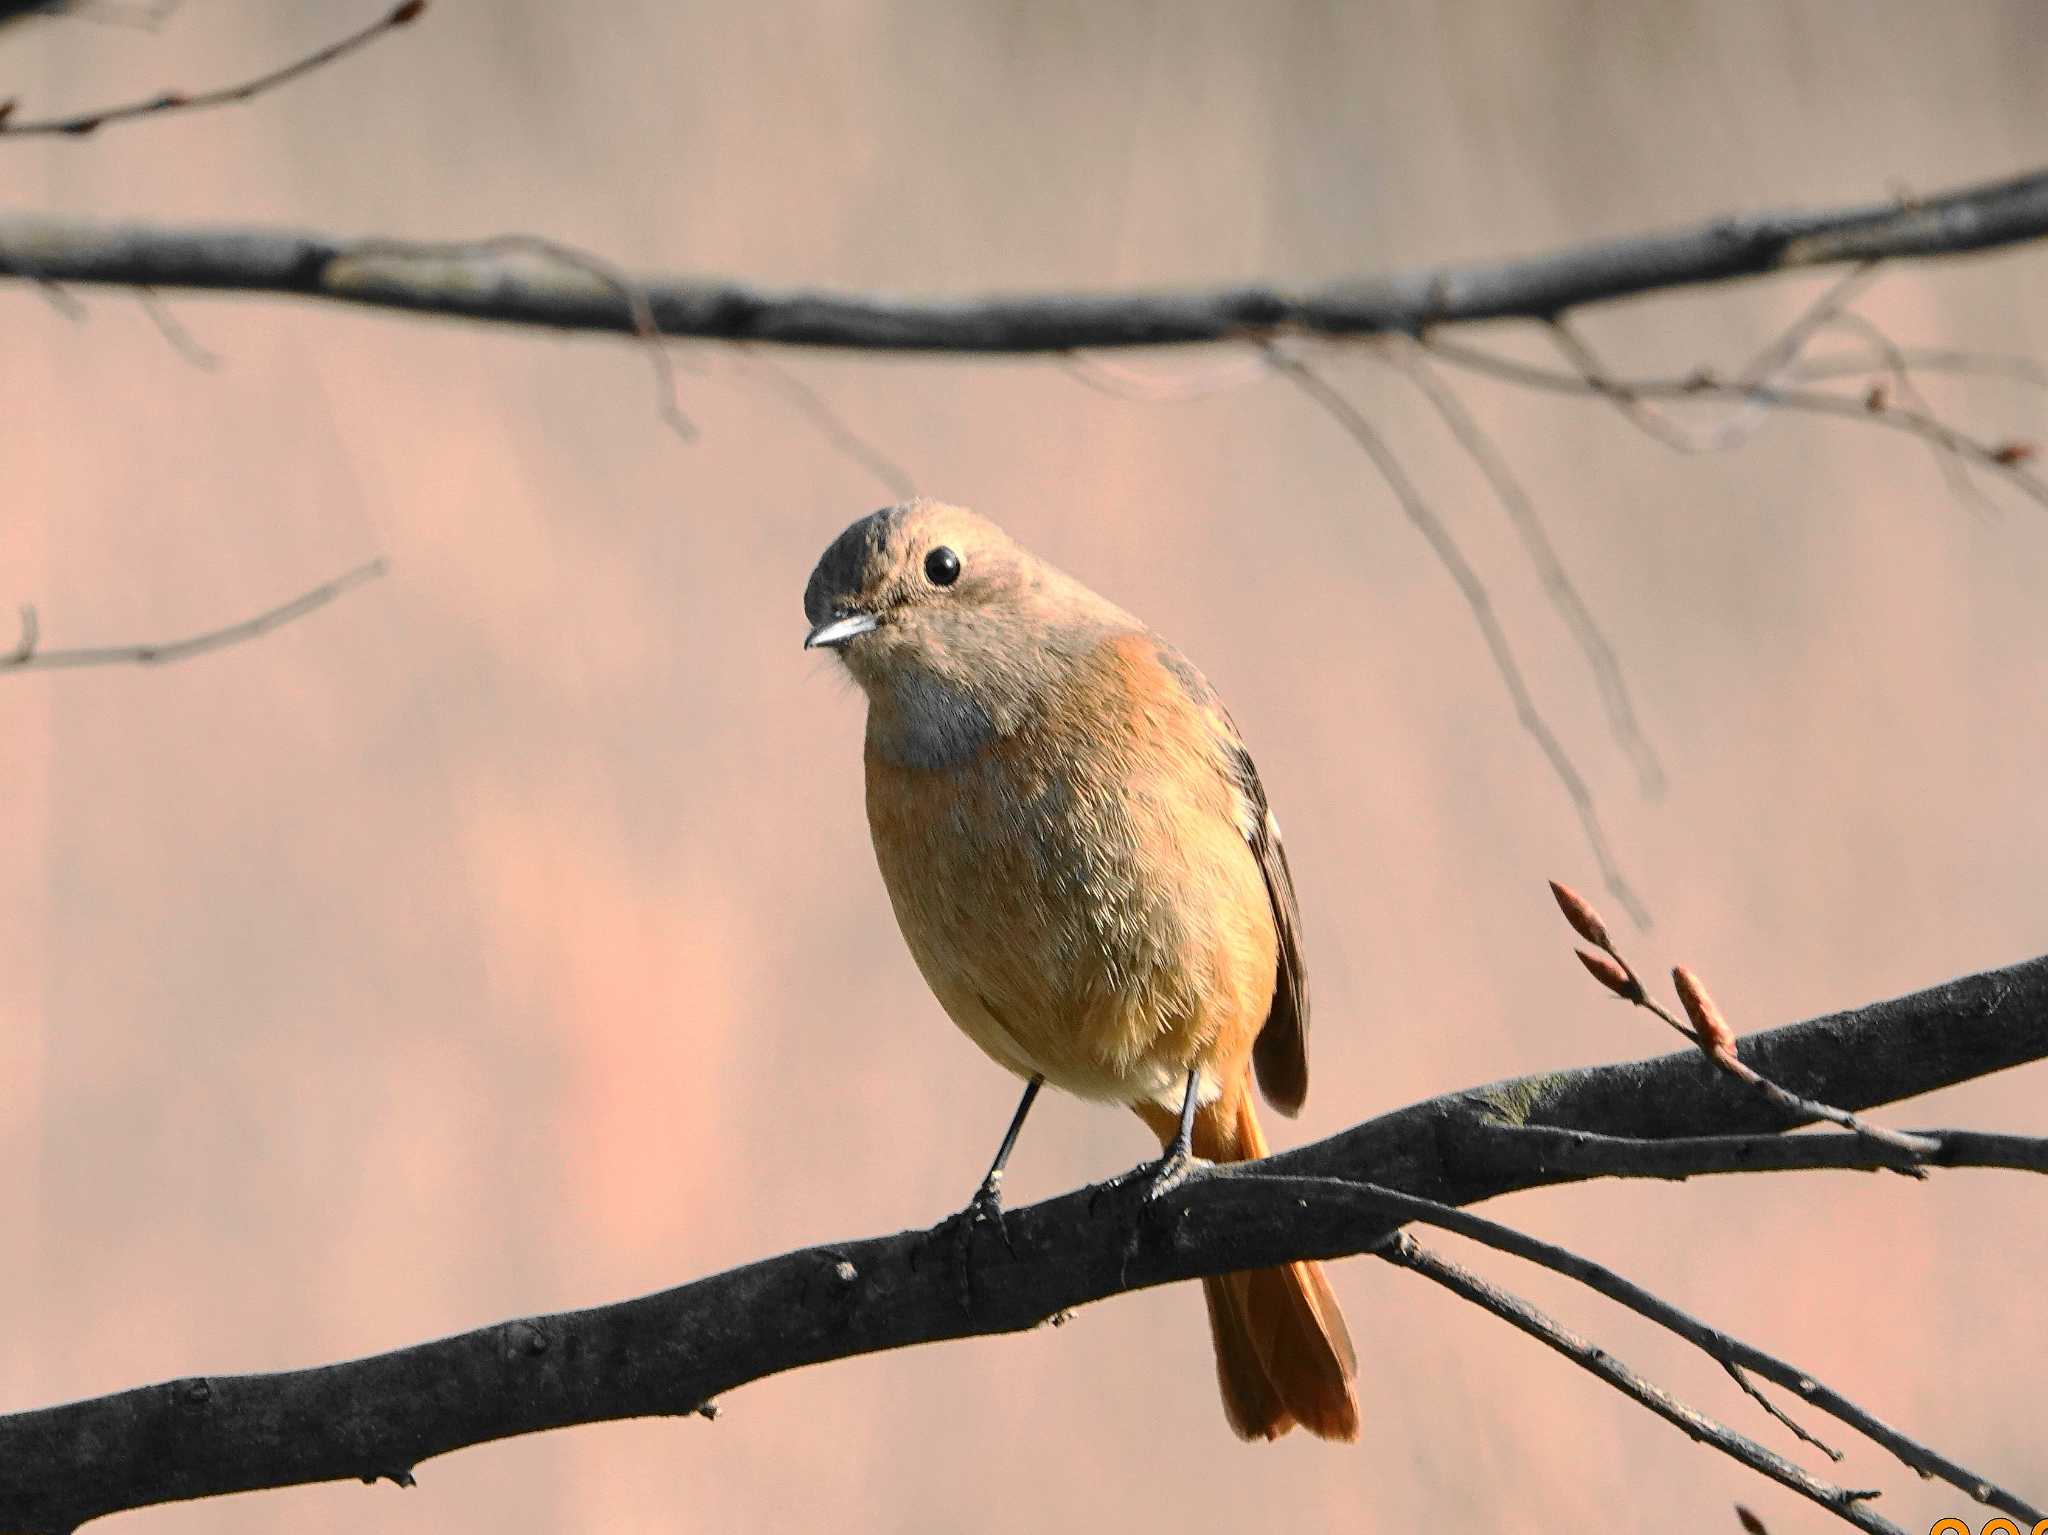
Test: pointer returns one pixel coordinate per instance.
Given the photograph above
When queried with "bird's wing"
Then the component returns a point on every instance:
(1280, 1055)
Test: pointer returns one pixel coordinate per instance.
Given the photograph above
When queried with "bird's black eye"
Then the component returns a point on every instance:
(942, 566)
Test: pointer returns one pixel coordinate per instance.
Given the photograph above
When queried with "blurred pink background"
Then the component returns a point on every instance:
(506, 938)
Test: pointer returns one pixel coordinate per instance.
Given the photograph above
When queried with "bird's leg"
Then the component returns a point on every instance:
(1178, 1160)
(1174, 1164)
(987, 1203)
(988, 1199)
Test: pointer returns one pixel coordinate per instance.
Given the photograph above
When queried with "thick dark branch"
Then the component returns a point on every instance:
(673, 1352)
(483, 285)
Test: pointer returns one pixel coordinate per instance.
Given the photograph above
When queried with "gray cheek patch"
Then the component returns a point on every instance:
(939, 725)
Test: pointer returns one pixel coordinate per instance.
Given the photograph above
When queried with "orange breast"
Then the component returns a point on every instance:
(1079, 894)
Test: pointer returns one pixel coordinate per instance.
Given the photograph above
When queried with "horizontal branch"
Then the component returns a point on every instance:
(479, 283)
(672, 1353)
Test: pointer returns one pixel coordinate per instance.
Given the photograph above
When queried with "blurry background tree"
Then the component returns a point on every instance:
(556, 789)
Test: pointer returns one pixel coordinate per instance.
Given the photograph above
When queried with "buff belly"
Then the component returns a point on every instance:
(1107, 941)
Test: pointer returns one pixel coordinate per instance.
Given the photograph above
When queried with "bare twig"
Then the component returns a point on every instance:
(1776, 355)
(26, 656)
(1639, 411)
(307, 264)
(1922, 359)
(1842, 1502)
(1812, 1108)
(78, 124)
(375, 260)
(1756, 1394)
(25, 647)
(1733, 1354)
(1989, 456)
(1557, 582)
(1123, 382)
(1834, 300)
(1893, 358)
(172, 329)
(70, 308)
(1333, 403)
(893, 476)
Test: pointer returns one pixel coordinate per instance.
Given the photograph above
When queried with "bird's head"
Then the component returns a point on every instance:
(910, 584)
(946, 623)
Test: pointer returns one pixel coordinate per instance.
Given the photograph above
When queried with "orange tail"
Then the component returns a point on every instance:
(1283, 1355)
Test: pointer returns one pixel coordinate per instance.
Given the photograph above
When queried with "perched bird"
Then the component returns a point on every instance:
(1083, 864)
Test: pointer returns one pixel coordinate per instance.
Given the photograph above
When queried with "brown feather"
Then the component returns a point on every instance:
(1080, 855)
(1283, 1353)
(1281, 1054)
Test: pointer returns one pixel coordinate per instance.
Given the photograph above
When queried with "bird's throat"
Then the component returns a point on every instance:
(923, 720)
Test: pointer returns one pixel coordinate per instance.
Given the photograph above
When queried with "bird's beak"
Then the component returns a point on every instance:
(834, 632)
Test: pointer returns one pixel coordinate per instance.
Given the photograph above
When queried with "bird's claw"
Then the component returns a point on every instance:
(1151, 1181)
(986, 1205)
(1170, 1172)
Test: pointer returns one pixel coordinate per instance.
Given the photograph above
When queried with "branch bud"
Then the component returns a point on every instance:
(1584, 920)
(1609, 974)
(1716, 1038)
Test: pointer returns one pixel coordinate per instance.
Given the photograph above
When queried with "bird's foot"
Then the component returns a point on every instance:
(1135, 1198)
(987, 1205)
(959, 1228)
(1150, 1181)
(1170, 1172)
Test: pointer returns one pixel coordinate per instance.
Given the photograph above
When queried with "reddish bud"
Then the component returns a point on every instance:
(1609, 974)
(1716, 1038)
(1749, 1522)
(7, 108)
(410, 11)
(1584, 920)
(2013, 454)
(1878, 400)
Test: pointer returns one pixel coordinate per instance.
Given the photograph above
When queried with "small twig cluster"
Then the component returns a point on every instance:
(1893, 400)
(1706, 1028)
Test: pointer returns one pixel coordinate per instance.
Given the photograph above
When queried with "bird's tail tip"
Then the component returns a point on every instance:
(1283, 1354)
